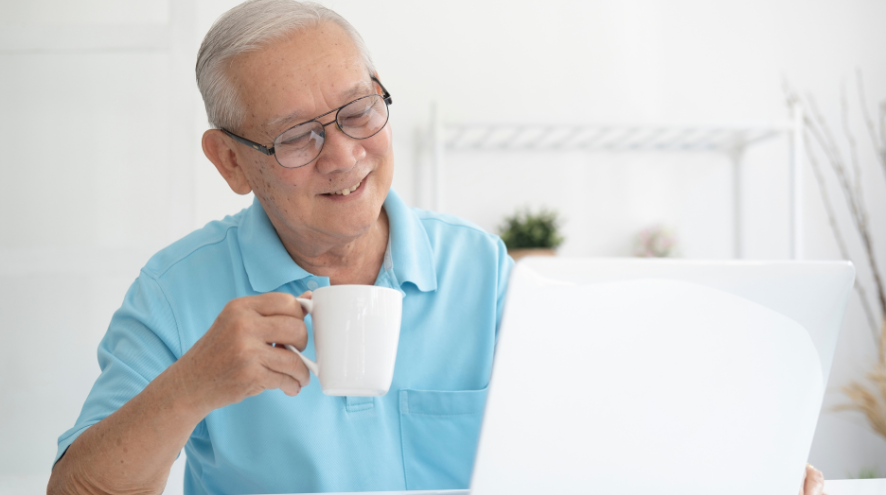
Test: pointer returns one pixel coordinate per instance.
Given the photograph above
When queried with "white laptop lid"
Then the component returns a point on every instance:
(666, 376)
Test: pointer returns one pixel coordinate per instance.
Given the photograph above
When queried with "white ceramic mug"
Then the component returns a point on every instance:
(356, 332)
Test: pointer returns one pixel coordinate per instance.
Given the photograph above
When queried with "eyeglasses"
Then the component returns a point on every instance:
(300, 145)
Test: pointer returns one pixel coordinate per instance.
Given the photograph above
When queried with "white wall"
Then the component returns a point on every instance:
(100, 121)
(94, 181)
(644, 61)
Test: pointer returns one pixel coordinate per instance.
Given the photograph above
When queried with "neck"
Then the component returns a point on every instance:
(354, 261)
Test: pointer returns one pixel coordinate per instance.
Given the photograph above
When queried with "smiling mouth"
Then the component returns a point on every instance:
(346, 191)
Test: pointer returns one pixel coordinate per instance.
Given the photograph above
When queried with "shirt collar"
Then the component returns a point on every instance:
(269, 266)
(411, 251)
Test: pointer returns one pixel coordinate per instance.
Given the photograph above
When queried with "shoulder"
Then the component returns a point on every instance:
(210, 241)
(449, 227)
(463, 246)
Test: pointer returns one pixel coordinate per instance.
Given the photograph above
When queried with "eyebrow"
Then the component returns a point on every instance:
(355, 90)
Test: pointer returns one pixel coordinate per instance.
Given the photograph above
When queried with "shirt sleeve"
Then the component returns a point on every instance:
(141, 342)
(505, 265)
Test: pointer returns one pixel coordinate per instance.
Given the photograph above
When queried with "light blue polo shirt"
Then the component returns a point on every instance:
(421, 435)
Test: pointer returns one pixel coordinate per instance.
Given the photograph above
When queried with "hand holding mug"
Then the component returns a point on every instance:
(235, 358)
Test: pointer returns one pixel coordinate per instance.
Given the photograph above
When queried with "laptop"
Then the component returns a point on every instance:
(628, 376)
(633, 376)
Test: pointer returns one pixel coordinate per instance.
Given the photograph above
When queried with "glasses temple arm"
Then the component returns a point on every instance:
(386, 95)
(251, 144)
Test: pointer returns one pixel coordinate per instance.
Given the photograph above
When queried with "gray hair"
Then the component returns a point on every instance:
(249, 27)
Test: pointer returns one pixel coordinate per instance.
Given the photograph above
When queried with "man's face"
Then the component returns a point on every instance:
(292, 81)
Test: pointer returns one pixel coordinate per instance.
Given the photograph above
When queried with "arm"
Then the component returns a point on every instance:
(132, 450)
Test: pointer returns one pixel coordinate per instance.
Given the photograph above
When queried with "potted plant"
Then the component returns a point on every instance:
(526, 233)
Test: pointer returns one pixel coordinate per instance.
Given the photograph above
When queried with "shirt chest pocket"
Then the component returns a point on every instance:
(439, 431)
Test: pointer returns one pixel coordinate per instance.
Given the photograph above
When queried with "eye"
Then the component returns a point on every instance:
(300, 137)
(357, 114)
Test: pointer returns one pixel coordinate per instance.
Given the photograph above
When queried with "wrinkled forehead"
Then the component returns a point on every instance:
(299, 77)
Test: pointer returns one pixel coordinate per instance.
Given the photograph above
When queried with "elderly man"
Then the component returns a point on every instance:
(300, 118)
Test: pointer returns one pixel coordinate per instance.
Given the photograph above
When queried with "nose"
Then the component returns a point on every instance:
(340, 152)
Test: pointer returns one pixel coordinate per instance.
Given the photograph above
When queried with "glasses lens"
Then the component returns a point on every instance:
(300, 145)
(364, 117)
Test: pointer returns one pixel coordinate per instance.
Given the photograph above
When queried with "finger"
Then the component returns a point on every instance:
(814, 484)
(273, 380)
(283, 361)
(275, 303)
(289, 385)
(281, 330)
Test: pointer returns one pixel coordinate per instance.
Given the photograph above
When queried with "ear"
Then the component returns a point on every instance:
(375, 75)
(218, 147)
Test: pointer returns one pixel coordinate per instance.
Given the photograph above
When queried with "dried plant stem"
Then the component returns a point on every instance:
(879, 145)
(838, 235)
(821, 133)
(871, 402)
(853, 157)
(883, 341)
(883, 132)
(822, 136)
(868, 396)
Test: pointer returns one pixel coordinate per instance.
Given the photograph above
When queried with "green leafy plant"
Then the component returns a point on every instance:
(866, 473)
(526, 230)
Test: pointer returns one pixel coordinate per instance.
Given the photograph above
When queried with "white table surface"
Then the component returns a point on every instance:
(855, 487)
(831, 487)
(407, 492)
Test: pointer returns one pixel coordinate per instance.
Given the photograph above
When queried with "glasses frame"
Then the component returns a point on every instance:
(269, 150)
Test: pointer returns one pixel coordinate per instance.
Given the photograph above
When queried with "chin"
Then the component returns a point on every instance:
(355, 226)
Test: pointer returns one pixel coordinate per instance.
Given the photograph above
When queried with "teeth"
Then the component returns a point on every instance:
(348, 190)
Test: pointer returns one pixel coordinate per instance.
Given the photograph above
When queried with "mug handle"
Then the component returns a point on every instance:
(308, 306)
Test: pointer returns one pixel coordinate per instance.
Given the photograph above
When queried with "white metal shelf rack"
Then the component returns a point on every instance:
(731, 140)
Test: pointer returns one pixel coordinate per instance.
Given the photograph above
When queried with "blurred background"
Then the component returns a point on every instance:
(100, 125)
